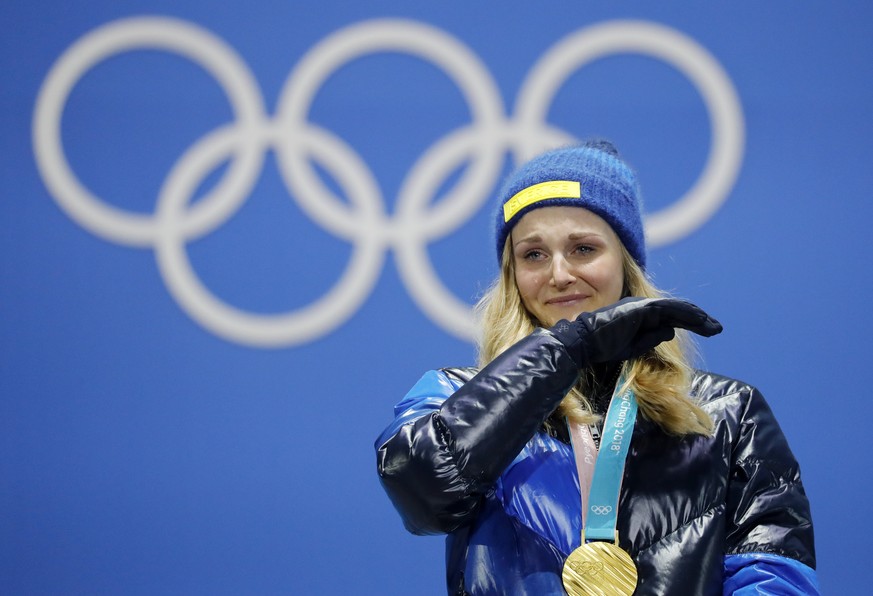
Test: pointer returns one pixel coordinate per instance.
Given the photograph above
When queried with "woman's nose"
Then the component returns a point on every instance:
(562, 276)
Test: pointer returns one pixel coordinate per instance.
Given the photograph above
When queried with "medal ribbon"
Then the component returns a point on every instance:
(601, 486)
(585, 451)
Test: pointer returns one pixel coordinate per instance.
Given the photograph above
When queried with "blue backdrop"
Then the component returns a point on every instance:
(234, 234)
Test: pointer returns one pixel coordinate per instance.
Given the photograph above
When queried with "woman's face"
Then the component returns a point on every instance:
(567, 261)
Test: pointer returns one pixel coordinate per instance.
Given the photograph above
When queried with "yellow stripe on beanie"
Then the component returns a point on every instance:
(552, 189)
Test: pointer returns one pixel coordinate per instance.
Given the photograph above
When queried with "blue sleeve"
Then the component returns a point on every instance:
(760, 573)
(425, 397)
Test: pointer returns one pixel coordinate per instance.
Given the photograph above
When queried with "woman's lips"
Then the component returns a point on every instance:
(566, 300)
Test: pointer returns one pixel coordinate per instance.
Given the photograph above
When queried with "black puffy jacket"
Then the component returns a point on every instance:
(467, 455)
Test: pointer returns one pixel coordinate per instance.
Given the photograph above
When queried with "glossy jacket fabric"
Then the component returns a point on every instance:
(699, 515)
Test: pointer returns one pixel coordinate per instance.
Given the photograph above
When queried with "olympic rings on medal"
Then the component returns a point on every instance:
(601, 509)
(362, 218)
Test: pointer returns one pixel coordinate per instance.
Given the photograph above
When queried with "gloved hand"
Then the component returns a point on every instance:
(630, 328)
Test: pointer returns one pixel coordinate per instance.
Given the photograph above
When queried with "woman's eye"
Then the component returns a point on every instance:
(533, 255)
(583, 249)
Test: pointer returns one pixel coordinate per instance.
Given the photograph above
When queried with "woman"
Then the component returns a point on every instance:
(697, 494)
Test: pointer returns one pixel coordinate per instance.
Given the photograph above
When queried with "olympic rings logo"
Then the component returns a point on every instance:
(590, 568)
(363, 220)
(601, 509)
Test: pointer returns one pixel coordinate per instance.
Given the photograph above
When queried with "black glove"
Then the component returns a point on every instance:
(630, 328)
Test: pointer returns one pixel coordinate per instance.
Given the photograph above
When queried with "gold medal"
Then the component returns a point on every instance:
(599, 568)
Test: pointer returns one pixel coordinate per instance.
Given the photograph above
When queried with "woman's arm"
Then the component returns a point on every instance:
(439, 458)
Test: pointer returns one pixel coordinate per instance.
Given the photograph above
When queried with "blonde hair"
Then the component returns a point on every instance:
(660, 378)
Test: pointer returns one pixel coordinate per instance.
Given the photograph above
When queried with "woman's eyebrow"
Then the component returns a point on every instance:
(530, 238)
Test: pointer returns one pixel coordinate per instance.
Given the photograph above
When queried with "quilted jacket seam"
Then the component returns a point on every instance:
(680, 528)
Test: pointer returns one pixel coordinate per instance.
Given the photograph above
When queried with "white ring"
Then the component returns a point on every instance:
(726, 148)
(202, 47)
(411, 227)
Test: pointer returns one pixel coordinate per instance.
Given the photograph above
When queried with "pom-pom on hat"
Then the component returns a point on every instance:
(590, 175)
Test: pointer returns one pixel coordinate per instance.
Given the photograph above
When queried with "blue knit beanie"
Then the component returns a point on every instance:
(591, 175)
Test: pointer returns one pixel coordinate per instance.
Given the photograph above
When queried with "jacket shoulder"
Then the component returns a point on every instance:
(460, 374)
(708, 387)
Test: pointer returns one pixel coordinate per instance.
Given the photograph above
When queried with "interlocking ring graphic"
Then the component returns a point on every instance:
(363, 220)
(590, 568)
(601, 509)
